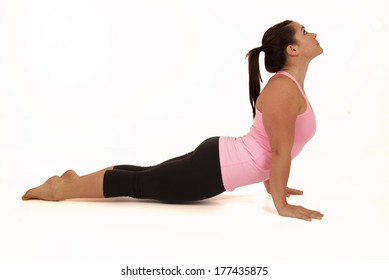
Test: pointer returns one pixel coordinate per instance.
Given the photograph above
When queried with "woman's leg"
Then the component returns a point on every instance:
(143, 168)
(194, 176)
(68, 186)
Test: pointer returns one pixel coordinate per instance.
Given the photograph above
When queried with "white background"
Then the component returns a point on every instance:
(89, 84)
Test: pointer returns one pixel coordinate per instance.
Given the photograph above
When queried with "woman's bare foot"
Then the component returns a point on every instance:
(46, 191)
(70, 186)
(49, 189)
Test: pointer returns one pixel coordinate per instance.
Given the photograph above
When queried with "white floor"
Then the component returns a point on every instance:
(46, 239)
(239, 225)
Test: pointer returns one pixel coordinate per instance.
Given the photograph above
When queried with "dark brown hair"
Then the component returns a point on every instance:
(274, 43)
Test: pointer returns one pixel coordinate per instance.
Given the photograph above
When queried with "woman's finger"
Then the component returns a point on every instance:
(294, 191)
(312, 213)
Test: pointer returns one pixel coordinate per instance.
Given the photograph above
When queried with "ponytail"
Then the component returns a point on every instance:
(274, 42)
(255, 78)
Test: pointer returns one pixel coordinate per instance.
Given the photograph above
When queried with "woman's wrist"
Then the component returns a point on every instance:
(280, 204)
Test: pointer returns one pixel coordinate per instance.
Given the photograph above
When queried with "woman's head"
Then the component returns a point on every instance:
(274, 43)
(278, 43)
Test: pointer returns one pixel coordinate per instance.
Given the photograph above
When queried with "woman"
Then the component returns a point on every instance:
(283, 123)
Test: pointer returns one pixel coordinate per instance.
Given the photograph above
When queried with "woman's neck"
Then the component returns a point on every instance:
(298, 72)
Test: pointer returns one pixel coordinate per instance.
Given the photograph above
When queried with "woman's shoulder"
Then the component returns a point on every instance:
(281, 82)
(280, 86)
(280, 90)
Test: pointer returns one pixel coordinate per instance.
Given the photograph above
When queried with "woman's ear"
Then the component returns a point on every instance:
(291, 50)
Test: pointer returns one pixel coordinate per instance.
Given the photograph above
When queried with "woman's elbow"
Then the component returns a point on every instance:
(281, 152)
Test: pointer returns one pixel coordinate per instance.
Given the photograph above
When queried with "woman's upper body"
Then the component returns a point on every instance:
(283, 118)
(246, 160)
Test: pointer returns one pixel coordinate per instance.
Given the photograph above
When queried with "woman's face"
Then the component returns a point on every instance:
(307, 45)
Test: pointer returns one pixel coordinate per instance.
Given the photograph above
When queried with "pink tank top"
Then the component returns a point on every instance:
(246, 160)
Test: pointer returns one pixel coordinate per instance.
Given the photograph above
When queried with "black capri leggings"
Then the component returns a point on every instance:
(194, 176)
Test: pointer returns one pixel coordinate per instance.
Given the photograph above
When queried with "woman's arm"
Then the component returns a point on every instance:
(281, 105)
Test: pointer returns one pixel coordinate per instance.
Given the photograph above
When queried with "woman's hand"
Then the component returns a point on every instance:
(295, 211)
(299, 212)
(289, 191)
